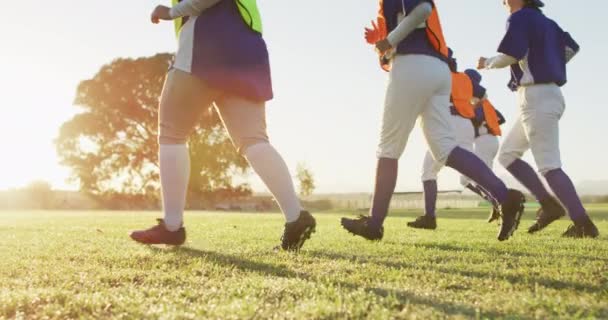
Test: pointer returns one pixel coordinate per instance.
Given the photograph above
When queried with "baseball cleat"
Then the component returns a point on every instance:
(494, 215)
(363, 228)
(159, 234)
(582, 229)
(550, 210)
(297, 232)
(424, 222)
(511, 211)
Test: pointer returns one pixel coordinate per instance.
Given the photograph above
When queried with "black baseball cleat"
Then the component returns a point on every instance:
(297, 232)
(585, 228)
(159, 234)
(494, 215)
(424, 222)
(550, 211)
(363, 228)
(511, 211)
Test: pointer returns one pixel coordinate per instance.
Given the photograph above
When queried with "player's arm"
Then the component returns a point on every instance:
(186, 8)
(513, 47)
(572, 47)
(415, 18)
(191, 8)
(497, 62)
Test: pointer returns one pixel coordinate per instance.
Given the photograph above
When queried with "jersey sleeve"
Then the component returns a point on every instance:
(570, 42)
(516, 40)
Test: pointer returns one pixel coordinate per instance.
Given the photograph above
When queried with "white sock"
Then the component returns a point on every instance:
(174, 177)
(269, 165)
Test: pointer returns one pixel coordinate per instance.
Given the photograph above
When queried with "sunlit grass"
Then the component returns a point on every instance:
(82, 264)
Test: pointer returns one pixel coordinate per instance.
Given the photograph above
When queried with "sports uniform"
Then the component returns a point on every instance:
(221, 60)
(419, 87)
(537, 51)
(473, 132)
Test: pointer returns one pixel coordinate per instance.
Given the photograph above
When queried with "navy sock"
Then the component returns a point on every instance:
(564, 189)
(524, 173)
(471, 166)
(386, 180)
(430, 197)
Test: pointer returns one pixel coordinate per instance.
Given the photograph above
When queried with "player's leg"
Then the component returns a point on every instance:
(408, 90)
(183, 99)
(439, 135)
(486, 148)
(514, 145)
(430, 169)
(245, 122)
(541, 114)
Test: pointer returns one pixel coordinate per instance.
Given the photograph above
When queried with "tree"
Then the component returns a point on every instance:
(111, 146)
(306, 179)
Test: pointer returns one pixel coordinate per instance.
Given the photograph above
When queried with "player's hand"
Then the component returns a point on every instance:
(376, 33)
(383, 46)
(481, 64)
(160, 13)
(372, 35)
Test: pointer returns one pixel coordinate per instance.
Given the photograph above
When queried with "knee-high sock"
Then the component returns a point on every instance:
(430, 197)
(564, 189)
(528, 177)
(269, 165)
(174, 176)
(471, 166)
(386, 180)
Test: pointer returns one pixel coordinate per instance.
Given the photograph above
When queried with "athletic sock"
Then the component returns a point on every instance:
(174, 175)
(475, 169)
(524, 173)
(386, 180)
(269, 165)
(565, 191)
(430, 197)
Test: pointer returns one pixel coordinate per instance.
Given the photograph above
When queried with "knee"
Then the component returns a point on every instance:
(441, 154)
(429, 175)
(507, 158)
(390, 150)
(548, 169)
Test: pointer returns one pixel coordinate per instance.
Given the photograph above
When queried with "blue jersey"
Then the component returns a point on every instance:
(540, 45)
(229, 55)
(416, 42)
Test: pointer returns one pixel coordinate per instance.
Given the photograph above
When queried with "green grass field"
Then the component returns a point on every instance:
(83, 265)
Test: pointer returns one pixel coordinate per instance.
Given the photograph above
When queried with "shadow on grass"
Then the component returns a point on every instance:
(519, 254)
(513, 279)
(404, 297)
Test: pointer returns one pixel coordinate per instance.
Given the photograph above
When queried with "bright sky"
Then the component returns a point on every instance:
(329, 90)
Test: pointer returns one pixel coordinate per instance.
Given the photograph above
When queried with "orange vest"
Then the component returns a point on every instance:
(492, 121)
(462, 94)
(434, 32)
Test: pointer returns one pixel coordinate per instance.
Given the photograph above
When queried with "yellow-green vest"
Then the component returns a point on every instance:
(248, 9)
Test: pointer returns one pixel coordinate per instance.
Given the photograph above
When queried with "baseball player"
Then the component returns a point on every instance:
(231, 70)
(410, 41)
(537, 51)
(486, 125)
(472, 133)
